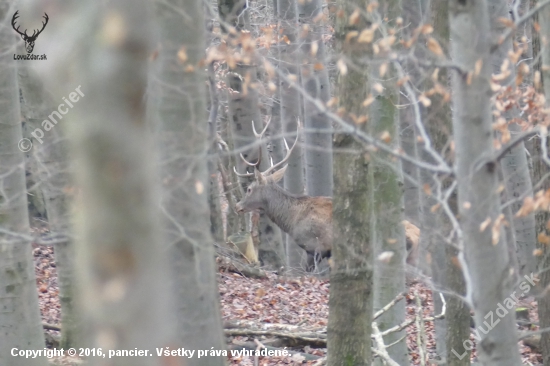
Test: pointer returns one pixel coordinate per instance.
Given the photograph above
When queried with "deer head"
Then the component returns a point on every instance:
(257, 193)
(29, 40)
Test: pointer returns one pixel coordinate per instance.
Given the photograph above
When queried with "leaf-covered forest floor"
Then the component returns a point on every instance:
(299, 301)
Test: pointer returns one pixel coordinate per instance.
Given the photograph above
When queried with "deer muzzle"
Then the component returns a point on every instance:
(239, 207)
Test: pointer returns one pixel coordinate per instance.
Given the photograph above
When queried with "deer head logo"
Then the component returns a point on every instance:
(29, 40)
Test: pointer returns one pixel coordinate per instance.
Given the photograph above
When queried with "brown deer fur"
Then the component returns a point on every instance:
(308, 220)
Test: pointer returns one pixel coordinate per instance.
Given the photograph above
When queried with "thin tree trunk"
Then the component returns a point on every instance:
(53, 170)
(289, 58)
(20, 323)
(235, 222)
(318, 154)
(216, 222)
(388, 235)
(121, 264)
(387, 196)
(182, 136)
(514, 164)
(351, 277)
(244, 110)
(455, 327)
(486, 257)
(540, 169)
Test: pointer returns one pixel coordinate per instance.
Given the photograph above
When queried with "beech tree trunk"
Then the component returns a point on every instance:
(318, 154)
(514, 164)
(290, 56)
(388, 234)
(182, 138)
(351, 277)
(121, 263)
(20, 322)
(243, 111)
(52, 165)
(455, 327)
(486, 256)
(540, 169)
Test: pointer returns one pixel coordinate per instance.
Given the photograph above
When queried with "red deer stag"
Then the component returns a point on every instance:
(308, 220)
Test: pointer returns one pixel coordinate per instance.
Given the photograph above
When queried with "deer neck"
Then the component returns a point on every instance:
(280, 207)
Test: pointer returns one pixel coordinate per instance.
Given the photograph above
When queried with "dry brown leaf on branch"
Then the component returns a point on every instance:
(477, 67)
(385, 136)
(434, 47)
(366, 36)
(527, 207)
(426, 29)
(543, 239)
(342, 67)
(485, 224)
(354, 17)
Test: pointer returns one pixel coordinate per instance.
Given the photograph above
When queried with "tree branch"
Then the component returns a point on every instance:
(519, 22)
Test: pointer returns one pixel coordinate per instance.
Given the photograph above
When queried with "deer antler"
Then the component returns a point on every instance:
(259, 136)
(288, 152)
(273, 167)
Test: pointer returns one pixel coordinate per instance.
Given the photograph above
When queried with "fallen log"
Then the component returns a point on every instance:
(230, 265)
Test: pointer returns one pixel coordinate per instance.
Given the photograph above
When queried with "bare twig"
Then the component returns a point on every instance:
(407, 323)
(505, 149)
(508, 33)
(398, 298)
(380, 349)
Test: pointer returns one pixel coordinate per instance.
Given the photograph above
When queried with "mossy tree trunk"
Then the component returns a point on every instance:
(351, 277)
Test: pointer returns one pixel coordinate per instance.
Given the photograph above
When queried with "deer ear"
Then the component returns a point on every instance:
(260, 178)
(278, 175)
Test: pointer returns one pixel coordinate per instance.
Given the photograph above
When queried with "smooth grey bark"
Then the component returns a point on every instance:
(290, 98)
(451, 331)
(181, 135)
(216, 220)
(315, 80)
(121, 264)
(540, 169)
(437, 119)
(243, 111)
(411, 191)
(351, 278)
(275, 129)
(20, 322)
(413, 14)
(486, 258)
(51, 162)
(235, 222)
(388, 235)
(514, 164)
